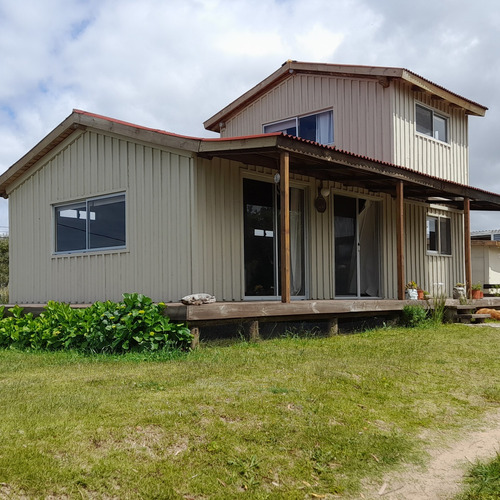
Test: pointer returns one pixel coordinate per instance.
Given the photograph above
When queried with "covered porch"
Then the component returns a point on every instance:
(287, 155)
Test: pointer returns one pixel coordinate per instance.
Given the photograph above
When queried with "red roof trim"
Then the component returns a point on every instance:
(275, 134)
(134, 125)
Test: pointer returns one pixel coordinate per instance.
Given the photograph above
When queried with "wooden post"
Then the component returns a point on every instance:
(195, 342)
(467, 248)
(400, 240)
(333, 327)
(285, 226)
(253, 331)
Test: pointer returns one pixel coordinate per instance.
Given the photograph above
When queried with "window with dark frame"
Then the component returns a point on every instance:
(430, 123)
(438, 235)
(91, 224)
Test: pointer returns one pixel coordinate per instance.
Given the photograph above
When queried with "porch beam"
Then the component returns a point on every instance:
(467, 248)
(400, 240)
(285, 226)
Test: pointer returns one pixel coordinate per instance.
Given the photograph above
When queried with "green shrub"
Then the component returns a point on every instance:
(412, 316)
(135, 324)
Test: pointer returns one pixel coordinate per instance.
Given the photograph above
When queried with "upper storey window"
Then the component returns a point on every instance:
(317, 127)
(431, 123)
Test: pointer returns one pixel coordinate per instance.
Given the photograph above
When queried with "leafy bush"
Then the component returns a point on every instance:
(135, 324)
(412, 316)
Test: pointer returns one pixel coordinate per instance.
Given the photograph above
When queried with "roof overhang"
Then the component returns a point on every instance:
(82, 120)
(306, 158)
(329, 163)
(383, 75)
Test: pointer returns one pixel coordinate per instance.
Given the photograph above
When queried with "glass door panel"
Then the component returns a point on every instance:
(369, 255)
(259, 247)
(262, 240)
(357, 254)
(345, 233)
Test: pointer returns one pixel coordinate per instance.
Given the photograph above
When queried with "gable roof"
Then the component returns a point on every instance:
(306, 158)
(383, 74)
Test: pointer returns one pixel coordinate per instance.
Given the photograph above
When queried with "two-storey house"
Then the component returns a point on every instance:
(327, 182)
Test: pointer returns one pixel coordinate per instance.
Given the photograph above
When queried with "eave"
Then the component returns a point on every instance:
(383, 75)
(329, 163)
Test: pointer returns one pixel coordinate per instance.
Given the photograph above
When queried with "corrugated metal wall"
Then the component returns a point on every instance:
(184, 228)
(446, 160)
(368, 119)
(361, 111)
(435, 273)
(157, 261)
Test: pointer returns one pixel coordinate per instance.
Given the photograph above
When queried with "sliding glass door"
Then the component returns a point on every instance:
(356, 233)
(262, 240)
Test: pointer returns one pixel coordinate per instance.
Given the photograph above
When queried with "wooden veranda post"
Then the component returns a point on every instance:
(400, 240)
(285, 226)
(467, 248)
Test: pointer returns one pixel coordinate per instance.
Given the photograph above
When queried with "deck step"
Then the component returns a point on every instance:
(478, 318)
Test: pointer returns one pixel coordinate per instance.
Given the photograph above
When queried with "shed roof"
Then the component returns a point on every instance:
(306, 158)
(383, 74)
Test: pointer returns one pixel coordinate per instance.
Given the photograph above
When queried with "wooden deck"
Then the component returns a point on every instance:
(301, 309)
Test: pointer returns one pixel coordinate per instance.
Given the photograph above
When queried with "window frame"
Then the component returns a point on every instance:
(433, 115)
(442, 242)
(86, 203)
(296, 120)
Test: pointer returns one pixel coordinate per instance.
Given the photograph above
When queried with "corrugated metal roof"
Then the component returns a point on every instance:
(383, 73)
(255, 146)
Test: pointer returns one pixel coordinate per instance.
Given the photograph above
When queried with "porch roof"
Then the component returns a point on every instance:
(330, 163)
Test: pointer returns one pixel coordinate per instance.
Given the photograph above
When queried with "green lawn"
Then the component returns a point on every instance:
(285, 418)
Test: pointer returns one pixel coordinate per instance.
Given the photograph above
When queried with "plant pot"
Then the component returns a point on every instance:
(459, 292)
(412, 294)
(477, 294)
(420, 294)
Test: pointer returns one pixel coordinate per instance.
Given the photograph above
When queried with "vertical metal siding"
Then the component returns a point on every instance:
(361, 111)
(219, 249)
(425, 154)
(435, 273)
(158, 207)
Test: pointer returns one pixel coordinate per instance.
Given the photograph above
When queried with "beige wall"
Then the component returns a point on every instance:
(436, 274)
(416, 151)
(361, 111)
(368, 119)
(157, 260)
(184, 227)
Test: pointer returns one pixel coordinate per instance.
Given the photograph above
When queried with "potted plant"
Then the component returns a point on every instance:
(459, 291)
(427, 295)
(421, 294)
(411, 290)
(477, 293)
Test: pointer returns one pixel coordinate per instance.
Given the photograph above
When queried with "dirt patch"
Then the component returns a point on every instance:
(442, 477)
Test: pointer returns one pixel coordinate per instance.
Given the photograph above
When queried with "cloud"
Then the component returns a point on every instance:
(174, 64)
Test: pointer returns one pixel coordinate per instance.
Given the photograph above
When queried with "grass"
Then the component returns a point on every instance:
(483, 482)
(284, 418)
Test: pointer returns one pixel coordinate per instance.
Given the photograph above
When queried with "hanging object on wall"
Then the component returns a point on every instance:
(320, 202)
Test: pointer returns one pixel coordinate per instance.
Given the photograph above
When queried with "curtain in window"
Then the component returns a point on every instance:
(368, 244)
(324, 128)
(297, 242)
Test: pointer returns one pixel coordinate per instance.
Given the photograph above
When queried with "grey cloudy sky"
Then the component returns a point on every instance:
(171, 64)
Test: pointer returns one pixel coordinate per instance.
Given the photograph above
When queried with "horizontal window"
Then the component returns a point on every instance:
(438, 236)
(317, 127)
(92, 224)
(432, 124)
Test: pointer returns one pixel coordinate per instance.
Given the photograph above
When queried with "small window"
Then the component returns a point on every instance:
(432, 124)
(92, 224)
(317, 127)
(438, 235)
